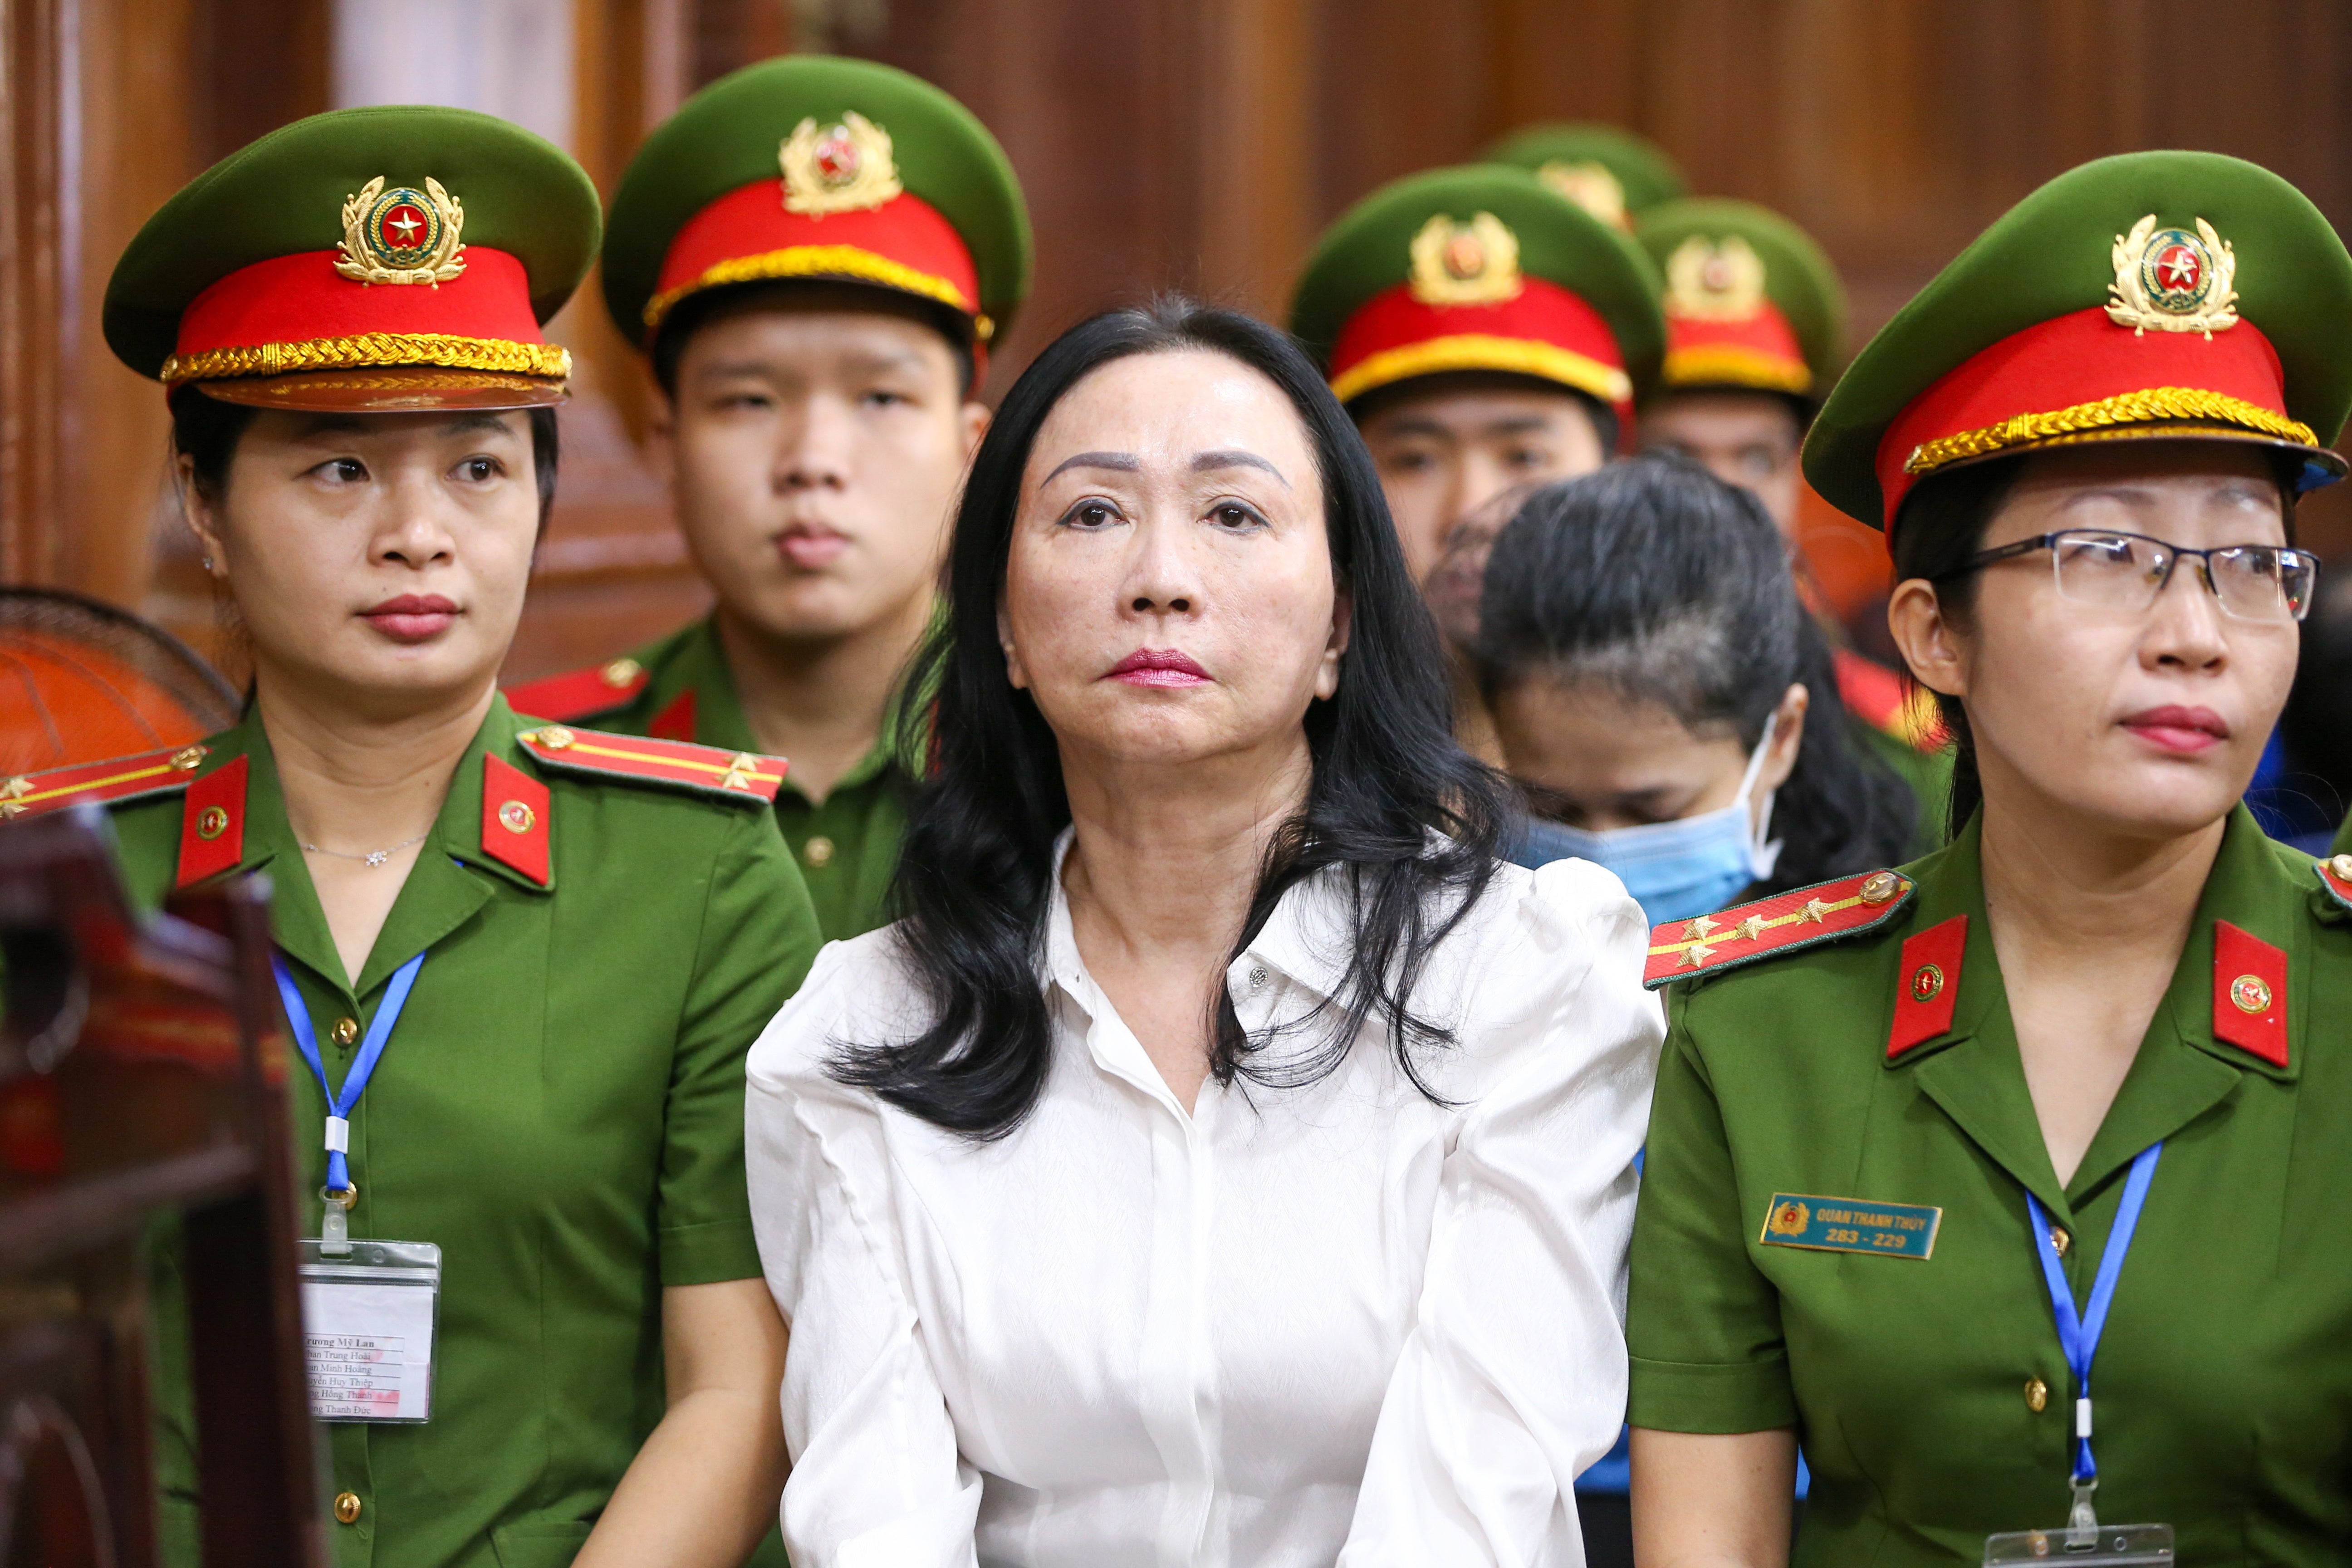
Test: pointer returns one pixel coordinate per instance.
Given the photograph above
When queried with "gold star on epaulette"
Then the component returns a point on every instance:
(1815, 911)
(1700, 929)
(1751, 928)
(1696, 954)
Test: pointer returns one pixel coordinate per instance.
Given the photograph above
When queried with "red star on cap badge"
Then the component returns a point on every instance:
(2177, 268)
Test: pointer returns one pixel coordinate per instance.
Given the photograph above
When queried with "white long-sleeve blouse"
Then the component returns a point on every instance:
(1337, 1322)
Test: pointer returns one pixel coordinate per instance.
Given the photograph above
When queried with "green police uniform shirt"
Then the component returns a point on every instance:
(680, 687)
(1926, 1385)
(559, 1108)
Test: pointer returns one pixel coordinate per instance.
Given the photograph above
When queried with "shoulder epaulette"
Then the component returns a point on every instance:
(115, 779)
(736, 775)
(1783, 923)
(2335, 876)
(581, 693)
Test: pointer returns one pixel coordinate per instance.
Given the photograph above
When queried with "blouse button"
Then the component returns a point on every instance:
(2037, 1395)
(345, 1031)
(818, 851)
(2060, 1241)
(346, 1507)
(1257, 976)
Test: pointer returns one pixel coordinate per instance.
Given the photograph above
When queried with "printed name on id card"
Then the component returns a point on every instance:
(369, 1308)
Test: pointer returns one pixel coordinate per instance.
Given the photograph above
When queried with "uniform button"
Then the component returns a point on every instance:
(345, 1031)
(346, 1507)
(2059, 1240)
(818, 851)
(2037, 1395)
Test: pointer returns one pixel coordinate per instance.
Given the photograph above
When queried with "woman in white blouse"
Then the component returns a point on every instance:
(1223, 1160)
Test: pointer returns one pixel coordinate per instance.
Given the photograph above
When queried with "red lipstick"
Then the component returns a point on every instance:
(2183, 732)
(411, 617)
(1158, 667)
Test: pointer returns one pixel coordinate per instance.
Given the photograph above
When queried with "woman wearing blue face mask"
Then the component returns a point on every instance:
(1665, 701)
(1671, 711)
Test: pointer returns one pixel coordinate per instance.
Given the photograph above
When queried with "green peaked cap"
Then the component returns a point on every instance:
(731, 134)
(1369, 251)
(2053, 255)
(1799, 276)
(284, 195)
(1645, 174)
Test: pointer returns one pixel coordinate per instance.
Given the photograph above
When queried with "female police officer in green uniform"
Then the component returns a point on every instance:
(527, 962)
(2010, 1184)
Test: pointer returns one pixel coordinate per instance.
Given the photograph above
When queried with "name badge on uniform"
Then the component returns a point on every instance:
(1851, 1225)
(369, 1309)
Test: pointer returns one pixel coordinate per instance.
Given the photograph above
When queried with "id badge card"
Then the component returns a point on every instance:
(369, 1309)
(2093, 1546)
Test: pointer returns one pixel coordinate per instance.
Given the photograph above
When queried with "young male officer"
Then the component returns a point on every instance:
(1487, 333)
(1755, 334)
(814, 253)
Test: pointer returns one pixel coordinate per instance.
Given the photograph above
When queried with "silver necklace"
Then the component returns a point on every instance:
(373, 856)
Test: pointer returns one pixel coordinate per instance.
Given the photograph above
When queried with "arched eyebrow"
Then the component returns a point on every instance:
(1234, 457)
(1122, 462)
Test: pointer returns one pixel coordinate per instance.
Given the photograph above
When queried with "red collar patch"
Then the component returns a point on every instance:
(1928, 984)
(2250, 994)
(514, 818)
(212, 825)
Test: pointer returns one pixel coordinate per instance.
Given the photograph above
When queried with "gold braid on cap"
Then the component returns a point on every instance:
(370, 350)
(2154, 404)
(821, 261)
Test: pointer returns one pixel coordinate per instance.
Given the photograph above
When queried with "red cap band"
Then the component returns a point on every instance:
(1543, 330)
(2082, 372)
(747, 236)
(1759, 351)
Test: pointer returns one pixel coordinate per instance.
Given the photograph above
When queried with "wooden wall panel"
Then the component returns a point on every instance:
(1199, 144)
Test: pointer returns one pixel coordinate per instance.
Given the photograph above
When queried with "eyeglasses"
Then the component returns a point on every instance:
(2127, 571)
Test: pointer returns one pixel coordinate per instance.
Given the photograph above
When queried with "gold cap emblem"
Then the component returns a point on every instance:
(1715, 279)
(2171, 280)
(1476, 263)
(845, 167)
(1589, 185)
(402, 236)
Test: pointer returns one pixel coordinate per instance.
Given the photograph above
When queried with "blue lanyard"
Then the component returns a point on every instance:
(356, 1082)
(2078, 1334)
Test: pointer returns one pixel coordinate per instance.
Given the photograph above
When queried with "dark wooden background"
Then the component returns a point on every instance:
(1197, 144)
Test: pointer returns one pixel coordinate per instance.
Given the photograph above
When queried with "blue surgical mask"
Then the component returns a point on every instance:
(1673, 869)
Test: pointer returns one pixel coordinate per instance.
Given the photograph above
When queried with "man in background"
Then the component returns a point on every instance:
(814, 253)
(1487, 333)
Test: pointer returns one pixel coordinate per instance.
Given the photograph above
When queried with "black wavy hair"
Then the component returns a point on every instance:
(1408, 819)
(1941, 523)
(1660, 580)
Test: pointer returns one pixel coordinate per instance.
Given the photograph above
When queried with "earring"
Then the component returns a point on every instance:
(208, 563)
